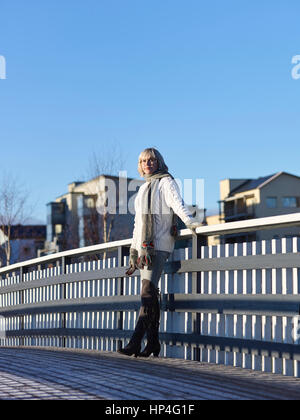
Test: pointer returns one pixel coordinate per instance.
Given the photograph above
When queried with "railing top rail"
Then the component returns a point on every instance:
(94, 249)
(251, 225)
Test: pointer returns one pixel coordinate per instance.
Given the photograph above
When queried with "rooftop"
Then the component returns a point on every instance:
(252, 184)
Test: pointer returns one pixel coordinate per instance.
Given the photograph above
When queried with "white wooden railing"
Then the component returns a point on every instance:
(234, 304)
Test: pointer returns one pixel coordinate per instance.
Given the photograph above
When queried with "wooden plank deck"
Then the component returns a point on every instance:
(34, 373)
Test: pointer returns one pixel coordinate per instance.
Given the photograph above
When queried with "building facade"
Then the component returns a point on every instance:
(25, 242)
(242, 199)
(93, 212)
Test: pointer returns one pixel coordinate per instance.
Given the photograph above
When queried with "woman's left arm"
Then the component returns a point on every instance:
(175, 201)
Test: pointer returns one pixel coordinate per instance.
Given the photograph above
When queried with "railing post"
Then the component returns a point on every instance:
(63, 295)
(122, 252)
(22, 271)
(197, 242)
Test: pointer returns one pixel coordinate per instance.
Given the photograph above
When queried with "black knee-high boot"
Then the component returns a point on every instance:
(143, 323)
(134, 345)
(153, 344)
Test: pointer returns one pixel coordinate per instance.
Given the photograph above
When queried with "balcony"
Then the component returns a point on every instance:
(238, 209)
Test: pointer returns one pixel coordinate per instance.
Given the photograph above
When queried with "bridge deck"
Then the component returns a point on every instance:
(31, 373)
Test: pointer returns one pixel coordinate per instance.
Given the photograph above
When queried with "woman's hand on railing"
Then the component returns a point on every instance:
(193, 224)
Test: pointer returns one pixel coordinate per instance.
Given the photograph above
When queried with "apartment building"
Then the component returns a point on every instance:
(92, 212)
(242, 199)
(25, 242)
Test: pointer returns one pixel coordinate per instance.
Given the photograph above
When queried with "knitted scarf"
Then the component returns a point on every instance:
(148, 212)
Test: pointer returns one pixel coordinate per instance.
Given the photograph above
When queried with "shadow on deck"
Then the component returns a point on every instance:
(35, 373)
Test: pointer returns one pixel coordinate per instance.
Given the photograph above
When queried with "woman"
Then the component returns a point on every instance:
(157, 204)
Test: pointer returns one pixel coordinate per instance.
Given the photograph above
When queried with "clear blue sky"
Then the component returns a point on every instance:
(207, 82)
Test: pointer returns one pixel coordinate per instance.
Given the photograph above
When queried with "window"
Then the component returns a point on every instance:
(290, 202)
(58, 229)
(229, 208)
(272, 202)
(241, 208)
(26, 250)
(90, 203)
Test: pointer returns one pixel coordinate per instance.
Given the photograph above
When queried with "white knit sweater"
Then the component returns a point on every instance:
(167, 197)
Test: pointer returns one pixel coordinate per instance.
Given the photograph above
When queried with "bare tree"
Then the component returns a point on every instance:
(96, 220)
(110, 161)
(14, 209)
